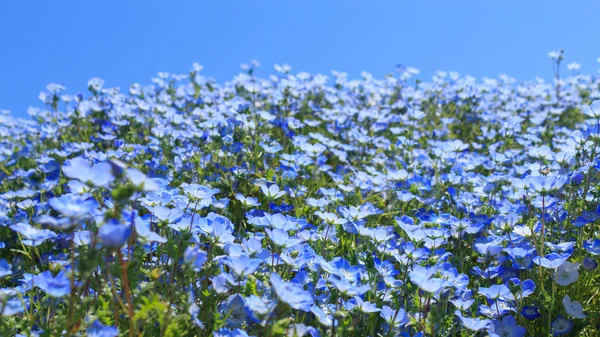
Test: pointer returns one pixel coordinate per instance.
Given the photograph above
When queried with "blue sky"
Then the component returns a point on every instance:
(129, 41)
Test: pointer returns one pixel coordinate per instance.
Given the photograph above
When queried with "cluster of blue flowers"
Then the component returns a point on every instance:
(304, 205)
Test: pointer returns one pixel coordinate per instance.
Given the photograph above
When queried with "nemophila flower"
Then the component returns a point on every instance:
(506, 327)
(330, 218)
(222, 282)
(496, 291)
(195, 257)
(506, 222)
(313, 150)
(99, 175)
(488, 246)
(199, 191)
(531, 313)
(347, 288)
(242, 265)
(194, 309)
(551, 261)
(5, 268)
(473, 324)
(592, 110)
(272, 191)
(379, 235)
(589, 264)
(544, 184)
(141, 181)
(235, 310)
(542, 152)
(11, 308)
(247, 201)
(522, 258)
(301, 330)
(260, 306)
(573, 308)
(581, 221)
(362, 306)
(62, 223)
(218, 228)
(31, 235)
(97, 329)
(55, 286)
(562, 247)
(593, 247)
(415, 114)
(566, 273)
(426, 283)
(561, 326)
(281, 238)
(271, 148)
(463, 299)
(527, 288)
(323, 315)
(281, 208)
(168, 215)
(114, 234)
(497, 308)
(142, 229)
(230, 333)
(394, 317)
(27, 204)
(291, 293)
(354, 213)
(73, 206)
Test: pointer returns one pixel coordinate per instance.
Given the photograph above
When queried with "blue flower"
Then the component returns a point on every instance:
(98, 329)
(292, 293)
(394, 317)
(561, 326)
(5, 269)
(422, 278)
(199, 192)
(522, 258)
(235, 310)
(544, 184)
(242, 265)
(73, 206)
(58, 286)
(259, 306)
(230, 333)
(247, 201)
(272, 192)
(11, 308)
(195, 257)
(347, 288)
(141, 181)
(194, 309)
(496, 291)
(366, 307)
(32, 236)
(100, 175)
(530, 312)
(114, 234)
(281, 238)
(473, 324)
(589, 264)
(551, 261)
(507, 328)
(593, 247)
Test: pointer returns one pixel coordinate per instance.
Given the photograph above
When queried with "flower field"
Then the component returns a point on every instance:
(304, 205)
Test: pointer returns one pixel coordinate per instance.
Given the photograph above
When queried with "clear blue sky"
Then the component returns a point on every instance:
(128, 41)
